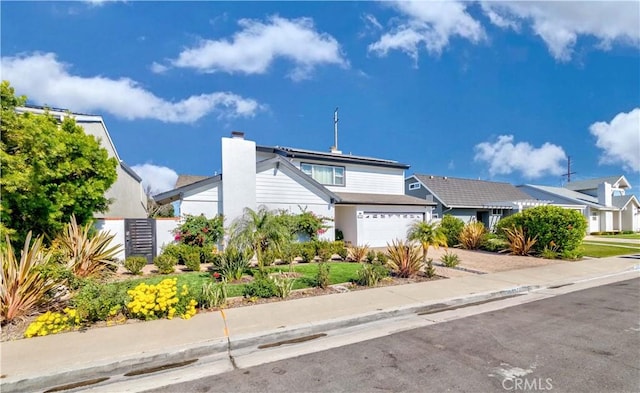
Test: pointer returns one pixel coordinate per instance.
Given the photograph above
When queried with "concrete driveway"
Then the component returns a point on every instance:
(488, 262)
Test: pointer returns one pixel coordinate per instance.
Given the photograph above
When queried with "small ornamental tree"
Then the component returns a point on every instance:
(200, 231)
(50, 169)
(552, 226)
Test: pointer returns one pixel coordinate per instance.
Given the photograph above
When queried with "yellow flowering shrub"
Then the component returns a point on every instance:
(160, 301)
(53, 322)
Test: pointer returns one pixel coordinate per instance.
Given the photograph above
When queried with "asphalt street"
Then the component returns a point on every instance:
(585, 341)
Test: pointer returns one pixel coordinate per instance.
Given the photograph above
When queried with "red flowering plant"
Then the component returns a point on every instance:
(309, 224)
(200, 231)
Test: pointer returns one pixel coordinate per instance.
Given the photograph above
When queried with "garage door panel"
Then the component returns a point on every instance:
(380, 228)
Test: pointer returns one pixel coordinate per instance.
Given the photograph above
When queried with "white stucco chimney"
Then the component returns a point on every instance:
(604, 194)
(238, 176)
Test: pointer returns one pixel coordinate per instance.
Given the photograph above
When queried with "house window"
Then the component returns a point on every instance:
(496, 212)
(414, 186)
(325, 174)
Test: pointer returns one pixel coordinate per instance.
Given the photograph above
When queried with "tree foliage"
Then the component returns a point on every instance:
(51, 170)
(260, 230)
(428, 234)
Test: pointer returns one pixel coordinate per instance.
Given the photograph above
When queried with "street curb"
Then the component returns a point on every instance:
(242, 343)
(114, 367)
(253, 341)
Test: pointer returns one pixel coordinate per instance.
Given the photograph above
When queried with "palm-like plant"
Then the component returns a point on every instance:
(260, 231)
(88, 254)
(22, 285)
(428, 234)
(404, 258)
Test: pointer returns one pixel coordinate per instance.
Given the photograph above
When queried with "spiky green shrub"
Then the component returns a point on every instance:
(472, 235)
(451, 227)
(283, 285)
(233, 263)
(23, 287)
(450, 259)
(371, 273)
(564, 228)
(87, 253)
(357, 253)
(520, 243)
(135, 264)
(213, 295)
(404, 258)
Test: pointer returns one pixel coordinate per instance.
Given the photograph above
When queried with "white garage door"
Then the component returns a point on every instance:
(380, 228)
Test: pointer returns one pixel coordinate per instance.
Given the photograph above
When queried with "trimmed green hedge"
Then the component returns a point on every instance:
(556, 228)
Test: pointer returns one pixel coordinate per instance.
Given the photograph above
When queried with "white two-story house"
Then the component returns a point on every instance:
(362, 196)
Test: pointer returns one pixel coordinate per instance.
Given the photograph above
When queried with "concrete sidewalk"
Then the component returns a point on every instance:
(41, 363)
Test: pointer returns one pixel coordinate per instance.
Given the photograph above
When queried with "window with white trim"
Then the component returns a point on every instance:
(325, 174)
(414, 186)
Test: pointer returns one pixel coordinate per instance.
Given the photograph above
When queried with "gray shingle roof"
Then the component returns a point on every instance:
(576, 196)
(184, 180)
(455, 192)
(592, 184)
(351, 198)
(620, 201)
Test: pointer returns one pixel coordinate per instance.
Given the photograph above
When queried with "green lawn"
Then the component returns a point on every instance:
(339, 272)
(620, 244)
(603, 250)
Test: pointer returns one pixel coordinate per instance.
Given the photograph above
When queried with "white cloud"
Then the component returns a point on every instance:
(254, 48)
(504, 157)
(428, 24)
(561, 23)
(158, 68)
(45, 80)
(156, 178)
(620, 140)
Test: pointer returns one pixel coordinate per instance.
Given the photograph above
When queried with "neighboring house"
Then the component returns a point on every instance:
(127, 194)
(468, 199)
(362, 196)
(602, 201)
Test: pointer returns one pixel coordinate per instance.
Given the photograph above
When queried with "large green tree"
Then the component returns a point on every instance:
(51, 170)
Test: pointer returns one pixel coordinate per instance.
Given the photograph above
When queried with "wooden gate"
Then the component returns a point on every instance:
(140, 238)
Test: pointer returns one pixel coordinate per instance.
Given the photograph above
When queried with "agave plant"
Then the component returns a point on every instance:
(472, 235)
(357, 253)
(519, 242)
(88, 254)
(23, 287)
(404, 259)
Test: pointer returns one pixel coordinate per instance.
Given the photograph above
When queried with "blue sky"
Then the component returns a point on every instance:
(502, 91)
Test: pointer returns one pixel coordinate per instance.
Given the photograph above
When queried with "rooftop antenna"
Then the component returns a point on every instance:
(569, 173)
(335, 128)
(334, 148)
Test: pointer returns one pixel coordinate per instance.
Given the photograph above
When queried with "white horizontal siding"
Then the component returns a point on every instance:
(273, 186)
(367, 179)
(203, 200)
